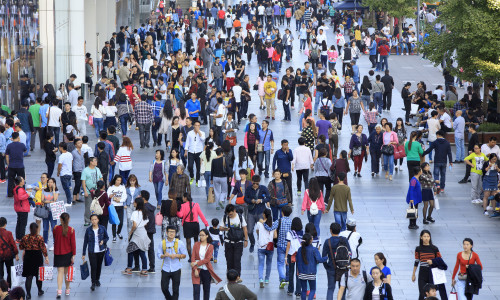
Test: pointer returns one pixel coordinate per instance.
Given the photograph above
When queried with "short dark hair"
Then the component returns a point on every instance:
(63, 145)
(286, 210)
(341, 176)
(145, 195)
(440, 133)
(284, 141)
(232, 275)
(335, 228)
(171, 227)
(3, 221)
(17, 293)
(15, 135)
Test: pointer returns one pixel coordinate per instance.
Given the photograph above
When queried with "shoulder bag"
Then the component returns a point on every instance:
(387, 150)
(228, 293)
(13, 252)
(412, 212)
(42, 211)
(260, 146)
(464, 275)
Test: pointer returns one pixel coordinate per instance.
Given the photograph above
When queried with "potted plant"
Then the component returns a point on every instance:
(487, 130)
(449, 106)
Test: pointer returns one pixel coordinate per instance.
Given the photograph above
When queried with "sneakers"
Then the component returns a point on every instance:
(476, 201)
(114, 239)
(489, 208)
(486, 213)
(68, 204)
(51, 248)
(191, 181)
(282, 284)
(251, 248)
(152, 271)
(261, 284)
(120, 236)
(135, 270)
(431, 219)
(298, 193)
(266, 281)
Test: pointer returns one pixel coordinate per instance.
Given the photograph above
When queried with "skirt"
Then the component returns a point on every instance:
(33, 259)
(427, 195)
(62, 260)
(490, 183)
(191, 229)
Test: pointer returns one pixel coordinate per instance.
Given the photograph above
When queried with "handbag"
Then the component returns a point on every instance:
(399, 151)
(42, 211)
(453, 294)
(108, 259)
(387, 150)
(356, 151)
(113, 215)
(158, 219)
(232, 140)
(255, 87)
(70, 276)
(84, 270)
(260, 146)
(464, 275)
(438, 276)
(412, 212)
(45, 273)
(270, 246)
(16, 275)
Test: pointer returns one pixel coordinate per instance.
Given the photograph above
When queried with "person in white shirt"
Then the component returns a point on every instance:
(86, 148)
(81, 116)
(195, 143)
(148, 62)
(54, 120)
(439, 93)
(117, 193)
(445, 119)
(65, 171)
(302, 162)
(353, 237)
(491, 147)
(219, 116)
(72, 95)
(22, 135)
(237, 96)
(433, 126)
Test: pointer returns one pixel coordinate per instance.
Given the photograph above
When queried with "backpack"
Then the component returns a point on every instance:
(234, 234)
(288, 13)
(164, 247)
(313, 209)
(325, 108)
(365, 277)
(95, 207)
(314, 52)
(341, 257)
(142, 33)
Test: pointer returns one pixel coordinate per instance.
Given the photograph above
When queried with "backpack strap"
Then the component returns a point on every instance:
(228, 293)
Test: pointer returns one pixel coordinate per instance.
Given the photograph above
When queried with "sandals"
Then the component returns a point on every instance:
(144, 273)
(67, 292)
(59, 292)
(127, 271)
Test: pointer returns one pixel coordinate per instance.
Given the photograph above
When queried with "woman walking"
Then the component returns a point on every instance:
(49, 195)
(252, 138)
(166, 115)
(338, 105)
(9, 252)
(308, 258)
(123, 158)
(381, 263)
(341, 165)
(354, 106)
(110, 113)
(390, 138)
(260, 88)
(124, 112)
(117, 194)
(104, 202)
(401, 133)
(322, 171)
(202, 271)
(133, 189)
(169, 212)
(414, 151)
(358, 149)
(174, 161)
(138, 238)
(207, 157)
(265, 246)
(34, 251)
(464, 260)
(376, 141)
(427, 183)
(95, 240)
(490, 181)
(64, 252)
(97, 111)
(218, 178)
(21, 207)
(414, 195)
(189, 213)
(158, 175)
(425, 255)
(378, 288)
(293, 238)
(314, 203)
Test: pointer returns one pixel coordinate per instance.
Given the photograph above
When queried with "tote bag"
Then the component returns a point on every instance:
(113, 215)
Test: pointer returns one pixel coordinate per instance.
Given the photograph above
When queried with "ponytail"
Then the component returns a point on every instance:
(65, 223)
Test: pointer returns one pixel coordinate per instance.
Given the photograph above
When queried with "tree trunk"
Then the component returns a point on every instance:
(391, 24)
(486, 93)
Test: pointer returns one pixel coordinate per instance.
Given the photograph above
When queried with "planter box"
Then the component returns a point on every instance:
(484, 137)
(450, 137)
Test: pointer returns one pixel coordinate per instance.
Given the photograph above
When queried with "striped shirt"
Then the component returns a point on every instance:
(425, 253)
(123, 159)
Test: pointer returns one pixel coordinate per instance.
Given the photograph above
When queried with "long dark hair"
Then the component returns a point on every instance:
(314, 190)
(97, 102)
(139, 205)
(209, 237)
(381, 256)
(47, 189)
(65, 223)
(242, 156)
(366, 82)
(269, 217)
(167, 110)
(413, 134)
(337, 93)
(311, 229)
(343, 155)
(208, 150)
(306, 241)
(182, 109)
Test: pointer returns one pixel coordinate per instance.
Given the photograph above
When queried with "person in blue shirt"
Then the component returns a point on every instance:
(193, 107)
(170, 251)
(176, 43)
(373, 52)
(308, 258)
(414, 195)
(267, 140)
(355, 76)
(256, 198)
(282, 160)
(157, 107)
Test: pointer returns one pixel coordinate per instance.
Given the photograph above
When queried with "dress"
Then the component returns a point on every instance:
(308, 134)
(139, 239)
(35, 249)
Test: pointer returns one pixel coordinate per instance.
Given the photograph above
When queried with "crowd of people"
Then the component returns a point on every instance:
(182, 80)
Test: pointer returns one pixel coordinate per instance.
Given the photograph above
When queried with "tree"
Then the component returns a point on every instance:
(471, 39)
(395, 8)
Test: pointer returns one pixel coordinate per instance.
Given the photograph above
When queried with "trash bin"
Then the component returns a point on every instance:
(85, 92)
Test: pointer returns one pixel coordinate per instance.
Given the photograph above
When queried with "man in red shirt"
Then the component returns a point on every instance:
(222, 15)
(384, 51)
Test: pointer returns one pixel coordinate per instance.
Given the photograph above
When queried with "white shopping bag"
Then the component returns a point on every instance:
(438, 276)
(414, 109)
(16, 274)
(436, 203)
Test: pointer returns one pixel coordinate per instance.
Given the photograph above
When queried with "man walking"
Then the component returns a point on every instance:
(388, 82)
(353, 283)
(26, 120)
(282, 160)
(195, 143)
(144, 117)
(302, 162)
(267, 141)
(65, 171)
(256, 197)
(341, 193)
(441, 158)
(14, 160)
(78, 166)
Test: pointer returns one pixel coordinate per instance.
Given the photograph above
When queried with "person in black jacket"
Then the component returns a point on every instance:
(385, 290)
(443, 152)
(220, 171)
(388, 82)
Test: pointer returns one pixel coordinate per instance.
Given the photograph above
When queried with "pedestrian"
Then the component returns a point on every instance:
(490, 184)
(144, 119)
(381, 263)
(427, 183)
(313, 203)
(14, 159)
(413, 151)
(95, 239)
(341, 193)
(50, 194)
(97, 111)
(158, 175)
(352, 236)
(123, 158)
(218, 178)
(78, 166)
(117, 195)
(376, 142)
(34, 251)
(202, 271)
(21, 207)
(180, 181)
(441, 158)
(308, 257)
(265, 148)
(265, 247)
(358, 149)
(384, 288)
(171, 250)
(65, 171)
(414, 195)
(150, 230)
(195, 142)
(189, 213)
(8, 252)
(354, 107)
(282, 160)
(133, 189)
(390, 139)
(459, 128)
(302, 162)
(138, 238)
(401, 133)
(90, 176)
(235, 239)
(465, 260)
(234, 289)
(354, 282)
(64, 252)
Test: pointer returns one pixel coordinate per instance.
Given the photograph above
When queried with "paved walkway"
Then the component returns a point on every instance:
(379, 211)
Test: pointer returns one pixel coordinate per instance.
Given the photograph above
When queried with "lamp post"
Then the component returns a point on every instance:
(418, 22)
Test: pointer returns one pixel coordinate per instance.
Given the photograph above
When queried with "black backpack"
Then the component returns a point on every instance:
(365, 277)
(234, 234)
(325, 108)
(341, 257)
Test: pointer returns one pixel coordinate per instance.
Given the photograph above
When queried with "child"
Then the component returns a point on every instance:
(86, 150)
(427, 193)
(3, 147)
(332, 57)
(239, 189)
(217, 239)
(371, 117)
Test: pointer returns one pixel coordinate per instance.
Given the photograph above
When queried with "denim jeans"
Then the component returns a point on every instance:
(216, 245)
(315, 219)
(260, 160)
(218, 83)
(144, 130)
(124, 174)
(276, 212)
(98, 125)
(28, 143)
(158, 190)
(340, 218)
(46, 223)
(388, 163)
(366, 101)
(319, 97)
(288, 51)
(286, 108)
(266, 255)
(312, 289)
(55, 131)
(430, 153)
(276, 65)
(207, 180)
(302, 44)
(292, 268)
(377, 99)
(124, 123)
(66, 183)
(440, 173)
(384, 63)
(330, 275)
(142, 255)
(300, 121)
(460, 149)
(282, 268)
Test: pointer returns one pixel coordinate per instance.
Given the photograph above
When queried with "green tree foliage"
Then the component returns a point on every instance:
(472, 39)
(395, 8)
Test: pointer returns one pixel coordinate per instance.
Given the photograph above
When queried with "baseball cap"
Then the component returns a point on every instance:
(351, 222)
